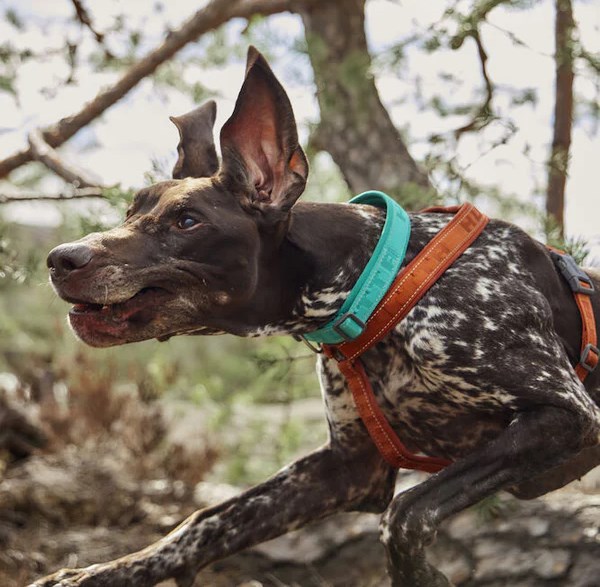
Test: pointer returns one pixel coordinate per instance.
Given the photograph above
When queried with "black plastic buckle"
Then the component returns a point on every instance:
(337, 326)
(572, 273)
(590, 348)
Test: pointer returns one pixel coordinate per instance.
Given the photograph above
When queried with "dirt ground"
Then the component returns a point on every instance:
(72, 505)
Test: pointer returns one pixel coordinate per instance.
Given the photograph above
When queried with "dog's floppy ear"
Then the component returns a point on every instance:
(259, 143)
(196, 148)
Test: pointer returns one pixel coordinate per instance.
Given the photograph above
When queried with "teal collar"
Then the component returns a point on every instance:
(376, 278)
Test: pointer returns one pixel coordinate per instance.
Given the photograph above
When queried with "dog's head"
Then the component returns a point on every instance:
(198, 254)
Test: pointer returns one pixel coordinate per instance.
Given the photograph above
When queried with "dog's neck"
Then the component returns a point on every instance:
(305, 283)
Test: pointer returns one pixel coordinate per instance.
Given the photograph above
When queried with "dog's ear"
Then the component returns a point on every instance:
(196, 148)
(262, 161)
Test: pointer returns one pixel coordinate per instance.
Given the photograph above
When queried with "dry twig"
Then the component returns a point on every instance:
(483, 115)
(83, 17)
(45, 154)
(94, 192)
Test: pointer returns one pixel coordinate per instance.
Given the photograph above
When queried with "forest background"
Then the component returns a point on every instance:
(491, 101)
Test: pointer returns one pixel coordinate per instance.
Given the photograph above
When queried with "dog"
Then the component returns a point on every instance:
(480, 372)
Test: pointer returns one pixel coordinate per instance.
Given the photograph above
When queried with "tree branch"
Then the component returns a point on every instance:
(44, 153)
(71, 195)
(84, 18)
(483, 116)
(213, 15)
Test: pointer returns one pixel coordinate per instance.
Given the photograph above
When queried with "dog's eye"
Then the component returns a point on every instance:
(186, 222)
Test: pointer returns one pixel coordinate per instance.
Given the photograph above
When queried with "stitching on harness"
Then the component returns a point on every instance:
(448, 229)
(415, 293)
(387, 436)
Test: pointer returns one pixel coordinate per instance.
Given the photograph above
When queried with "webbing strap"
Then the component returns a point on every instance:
(408, 288)
(376, 278)
(582, 287)
(589, 357)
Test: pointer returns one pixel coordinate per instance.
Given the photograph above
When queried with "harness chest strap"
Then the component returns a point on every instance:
(407, 289)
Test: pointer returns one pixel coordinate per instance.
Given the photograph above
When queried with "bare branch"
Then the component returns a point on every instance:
(45, 154)
(83, 17)
(470, 23)
(213, 15)
(483, 116)
(70, 195)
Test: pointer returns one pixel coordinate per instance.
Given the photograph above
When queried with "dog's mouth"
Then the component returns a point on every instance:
(95, 322)
(123, 310)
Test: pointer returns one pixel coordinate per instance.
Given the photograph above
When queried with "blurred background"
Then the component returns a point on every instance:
(104, 450)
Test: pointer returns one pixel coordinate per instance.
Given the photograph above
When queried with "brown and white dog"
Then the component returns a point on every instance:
(480, 372)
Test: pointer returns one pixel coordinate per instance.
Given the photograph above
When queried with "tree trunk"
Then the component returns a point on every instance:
(563, 113)
(355, 127)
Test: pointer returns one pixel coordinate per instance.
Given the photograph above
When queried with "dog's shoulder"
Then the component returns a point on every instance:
(502, 277)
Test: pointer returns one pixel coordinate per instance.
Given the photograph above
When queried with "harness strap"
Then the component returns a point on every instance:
(590, 356)
(408, 288)
(582, 287)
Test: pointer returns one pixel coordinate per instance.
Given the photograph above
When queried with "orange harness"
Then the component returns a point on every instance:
(408, 288)
(582, 288)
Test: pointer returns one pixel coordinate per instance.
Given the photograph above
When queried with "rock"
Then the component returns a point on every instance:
(586, 571)
(452, 559)
(308, 545)
(19, 435)
(73, 487)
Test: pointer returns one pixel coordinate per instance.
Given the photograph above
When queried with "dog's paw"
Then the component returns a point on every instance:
(88, 577)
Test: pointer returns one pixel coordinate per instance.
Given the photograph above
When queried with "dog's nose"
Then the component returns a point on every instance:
(69, 257)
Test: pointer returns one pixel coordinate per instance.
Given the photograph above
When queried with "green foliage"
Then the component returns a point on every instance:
(12, 16)
(414, 197)
(325, 181)
(578, 248)
(245, 388)
(102, 215)
(218, 50)
(7, 84)
(8, 261)
(172, 75)
(10, 59)
(525, 96)
(29, 176)
(118, 197)
(469, 22)
(492, 508)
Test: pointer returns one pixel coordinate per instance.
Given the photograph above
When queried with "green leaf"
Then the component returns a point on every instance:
(14, 19)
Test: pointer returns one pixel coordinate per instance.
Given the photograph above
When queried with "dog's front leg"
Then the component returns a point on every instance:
(326, 481)
(535, 441)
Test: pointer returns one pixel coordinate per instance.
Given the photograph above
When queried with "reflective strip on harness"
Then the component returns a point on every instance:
(408, 288)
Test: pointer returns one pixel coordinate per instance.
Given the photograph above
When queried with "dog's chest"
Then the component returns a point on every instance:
(433, 410)
(477, 349)
(434, 376)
